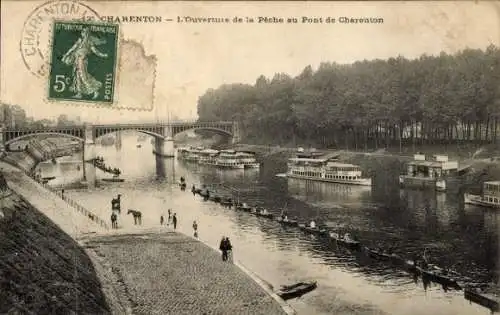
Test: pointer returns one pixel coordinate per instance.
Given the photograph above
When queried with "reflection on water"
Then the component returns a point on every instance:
(465, 239)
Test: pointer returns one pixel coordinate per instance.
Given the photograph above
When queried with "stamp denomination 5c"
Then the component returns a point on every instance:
(83, 61)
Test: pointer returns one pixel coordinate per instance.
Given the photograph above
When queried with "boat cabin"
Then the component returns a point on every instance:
(491, 191)
(431, 172)
(436, 167)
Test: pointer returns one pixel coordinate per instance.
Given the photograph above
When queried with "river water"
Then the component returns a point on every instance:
(463, 237)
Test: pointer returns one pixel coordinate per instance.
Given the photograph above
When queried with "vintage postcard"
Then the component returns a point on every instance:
(250, 157)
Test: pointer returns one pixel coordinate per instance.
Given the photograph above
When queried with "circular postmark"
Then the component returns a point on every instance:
(35, 37)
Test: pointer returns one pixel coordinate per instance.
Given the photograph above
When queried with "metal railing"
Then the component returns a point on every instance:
(92, 216)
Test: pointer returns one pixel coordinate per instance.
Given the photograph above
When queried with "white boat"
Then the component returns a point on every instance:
(208, 157)
(247, 159)
(307, 166)
(490, 197)
(429, 173)
(228, 159)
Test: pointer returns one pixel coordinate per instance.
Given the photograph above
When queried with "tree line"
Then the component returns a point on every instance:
(444, 99)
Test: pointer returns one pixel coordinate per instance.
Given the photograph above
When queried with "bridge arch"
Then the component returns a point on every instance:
(215, 130)
(104, 132)
(34, 135)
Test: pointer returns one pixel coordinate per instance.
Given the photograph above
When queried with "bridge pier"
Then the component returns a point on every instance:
(164, 147)
(118, 140)
(88, 155)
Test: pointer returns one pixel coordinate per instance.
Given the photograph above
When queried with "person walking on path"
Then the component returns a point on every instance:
(225, 246)
(195, 228)
(174, 220)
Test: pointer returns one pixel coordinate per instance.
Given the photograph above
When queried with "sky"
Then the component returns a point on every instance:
(193, 57)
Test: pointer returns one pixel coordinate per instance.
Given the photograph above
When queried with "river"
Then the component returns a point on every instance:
(463, 237)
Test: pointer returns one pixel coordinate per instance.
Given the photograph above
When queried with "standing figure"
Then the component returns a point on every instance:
(161, 219)
(115, 203)
(114, 218)
(195, 228)
(83, 83)
(225, 246)
(169, 216)
(174, 220)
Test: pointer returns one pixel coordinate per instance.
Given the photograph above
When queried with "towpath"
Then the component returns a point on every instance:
(155, 270)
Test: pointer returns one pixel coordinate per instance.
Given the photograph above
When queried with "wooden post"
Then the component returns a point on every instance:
(83, 161)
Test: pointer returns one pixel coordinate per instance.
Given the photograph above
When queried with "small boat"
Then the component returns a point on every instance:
(226, 202)
(264, 214)
(48, 178)
(294, 223)
(139, 145)
(437, 275)
(472, 295)
(244, 207)
(346, 240)
(377, 254)
(313, 230)
(288, 292)
(113, 179)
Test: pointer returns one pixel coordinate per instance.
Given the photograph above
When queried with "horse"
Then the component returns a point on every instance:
(137, 216)
(114, 218)
(115, 203)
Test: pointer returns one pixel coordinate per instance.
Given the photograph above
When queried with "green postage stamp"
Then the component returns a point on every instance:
(83, 62)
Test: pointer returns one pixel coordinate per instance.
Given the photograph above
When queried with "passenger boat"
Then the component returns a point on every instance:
(431, 173)
(228, 159)
(288, 292)
(345, 240)
(490, 196)
(208, 157)
(308, 166)
(484, 300)
(247, 159)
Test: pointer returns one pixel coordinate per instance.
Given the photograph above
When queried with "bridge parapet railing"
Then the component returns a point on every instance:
(92, 216)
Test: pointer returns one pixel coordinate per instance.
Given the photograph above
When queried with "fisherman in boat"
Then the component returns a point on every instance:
(312, 224)
(347, 237)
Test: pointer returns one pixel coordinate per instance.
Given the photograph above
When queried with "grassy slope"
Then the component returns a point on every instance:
(42, 269)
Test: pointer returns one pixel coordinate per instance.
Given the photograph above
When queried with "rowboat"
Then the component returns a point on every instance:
(264, 215)
(437, 276)
(244, 207)
(288, 292)
(345, 241)
(315, 230)
(226, 202)
(48, 178)
(113, 179)
(377, 254)
(294, 223)
(489, 302)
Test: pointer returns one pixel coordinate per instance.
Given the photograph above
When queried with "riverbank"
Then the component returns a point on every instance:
(43, 270)
(164, 272)
(140, 272)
